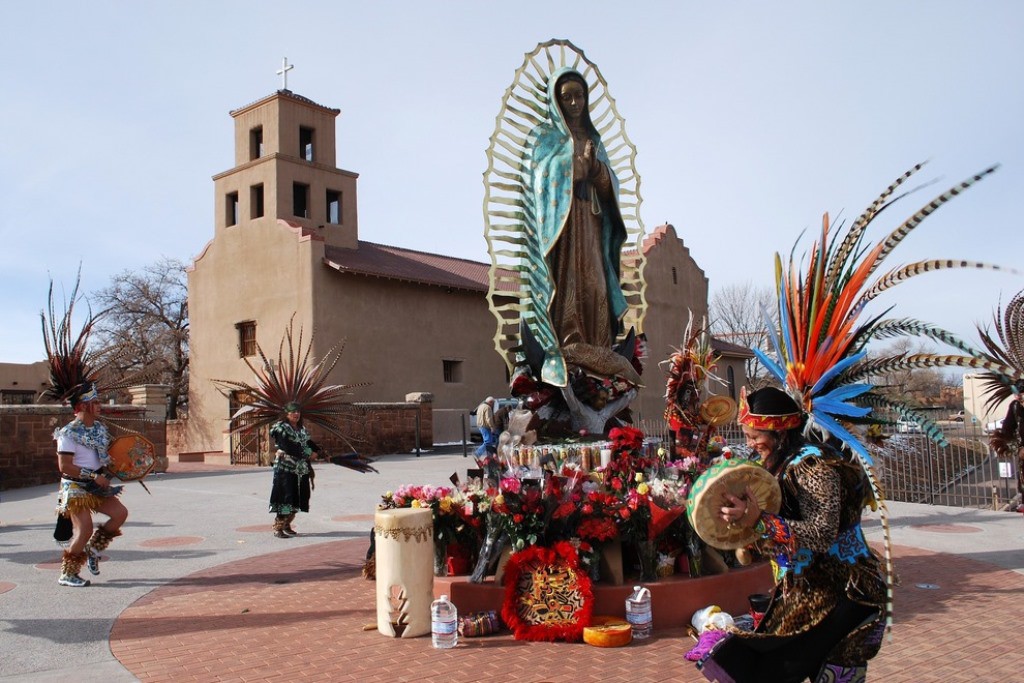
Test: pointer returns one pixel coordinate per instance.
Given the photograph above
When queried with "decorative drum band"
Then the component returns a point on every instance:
(419, 533)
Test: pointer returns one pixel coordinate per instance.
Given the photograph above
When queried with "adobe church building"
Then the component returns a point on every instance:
(286, 243)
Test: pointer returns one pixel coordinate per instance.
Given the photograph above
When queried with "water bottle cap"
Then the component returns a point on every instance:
(444, 597)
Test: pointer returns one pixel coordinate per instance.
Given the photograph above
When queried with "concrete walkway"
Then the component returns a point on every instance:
(198, 589)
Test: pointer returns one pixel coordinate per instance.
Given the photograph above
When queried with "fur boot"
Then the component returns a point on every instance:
(71, 564)
(101, 538)
(279, 523)
(288, 525)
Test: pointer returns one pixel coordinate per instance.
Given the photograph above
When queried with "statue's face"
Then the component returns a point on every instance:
(572, 98)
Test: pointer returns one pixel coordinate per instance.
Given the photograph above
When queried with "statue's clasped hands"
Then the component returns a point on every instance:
(590, 161)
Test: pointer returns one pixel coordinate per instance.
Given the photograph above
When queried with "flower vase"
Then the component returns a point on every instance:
(593, 565)
(440, 558)
(490, 550)
(648, 556)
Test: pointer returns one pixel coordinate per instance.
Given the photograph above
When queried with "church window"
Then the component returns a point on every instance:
(300, 200)
(452, 371)
(306, 143)
(246, 338)
(256, 201)
(731, 376)
(256, 142)
(333, 207)
(231, 208)
(675, 276)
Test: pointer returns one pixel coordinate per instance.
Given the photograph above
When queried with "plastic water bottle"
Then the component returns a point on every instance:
(444, 622)
(638, 612)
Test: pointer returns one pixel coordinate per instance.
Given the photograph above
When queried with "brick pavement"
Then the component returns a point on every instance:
(299, 614)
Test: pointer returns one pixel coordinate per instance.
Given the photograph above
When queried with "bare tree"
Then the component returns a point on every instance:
(919, 387)
(737, 316)
(145, 326)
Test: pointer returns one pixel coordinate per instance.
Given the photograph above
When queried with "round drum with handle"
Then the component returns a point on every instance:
(703, 507)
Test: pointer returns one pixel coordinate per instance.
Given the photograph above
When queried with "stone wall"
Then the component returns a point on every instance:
(28, 454)
(375, 429)
(391, 427)
(381, 429)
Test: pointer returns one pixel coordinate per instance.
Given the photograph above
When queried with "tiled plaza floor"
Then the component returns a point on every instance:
(299, 615)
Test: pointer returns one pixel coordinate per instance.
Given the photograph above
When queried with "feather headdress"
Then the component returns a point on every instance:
(820, 339)
(76, 370)
(1008, 350)
(691, 369)
(67, 353)
(295, 381)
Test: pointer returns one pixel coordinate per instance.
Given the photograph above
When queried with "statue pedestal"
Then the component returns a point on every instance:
(674, 598)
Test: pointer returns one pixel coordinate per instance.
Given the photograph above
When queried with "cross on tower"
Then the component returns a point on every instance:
(283, 72)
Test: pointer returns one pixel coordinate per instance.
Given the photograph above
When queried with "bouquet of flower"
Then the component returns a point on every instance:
(447, 505)
(522, 511)
(633, 517)
(628, 459)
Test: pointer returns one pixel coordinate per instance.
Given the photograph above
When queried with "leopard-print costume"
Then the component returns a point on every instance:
(821, 555)
(820, 558)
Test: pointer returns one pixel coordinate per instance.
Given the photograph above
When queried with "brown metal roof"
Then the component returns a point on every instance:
(381, 260)
(724, 348)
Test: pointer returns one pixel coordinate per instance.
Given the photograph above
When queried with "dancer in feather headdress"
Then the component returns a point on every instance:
(691, 412)
(1008, 440)
(85, 484)
(286, 393)
(832, 600)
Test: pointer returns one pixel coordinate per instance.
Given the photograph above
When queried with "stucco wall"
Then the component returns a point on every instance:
(669, 304)
(28, 454)
(399, 334)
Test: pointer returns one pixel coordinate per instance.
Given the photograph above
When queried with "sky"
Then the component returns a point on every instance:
(751, 119)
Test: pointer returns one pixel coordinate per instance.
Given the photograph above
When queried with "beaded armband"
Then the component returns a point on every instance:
(87, 473)
(774, 528)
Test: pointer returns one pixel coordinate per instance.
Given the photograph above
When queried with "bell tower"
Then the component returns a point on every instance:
(285, 170)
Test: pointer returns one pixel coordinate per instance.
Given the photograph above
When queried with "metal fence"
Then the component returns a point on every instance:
(912, 468)
(966, 473)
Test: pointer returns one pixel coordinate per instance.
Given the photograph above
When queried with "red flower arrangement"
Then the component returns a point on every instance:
(597, 517)
(521, 511)
(548, 596)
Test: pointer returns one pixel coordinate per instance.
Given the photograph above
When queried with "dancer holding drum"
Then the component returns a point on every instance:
(832, 602)
(827, 614)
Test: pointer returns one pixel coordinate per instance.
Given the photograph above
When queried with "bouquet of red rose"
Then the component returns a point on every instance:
(522, 511)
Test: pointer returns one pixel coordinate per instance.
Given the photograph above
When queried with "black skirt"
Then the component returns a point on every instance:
(290, 490)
